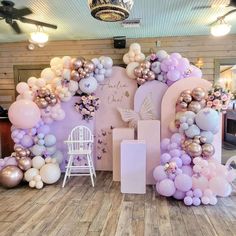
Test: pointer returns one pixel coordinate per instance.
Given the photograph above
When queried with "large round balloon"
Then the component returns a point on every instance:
(88, 85)
(207, 119)
(50, 173)
(24, 114)
(10, 176)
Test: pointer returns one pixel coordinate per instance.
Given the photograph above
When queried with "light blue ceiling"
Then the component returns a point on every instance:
(158, 18)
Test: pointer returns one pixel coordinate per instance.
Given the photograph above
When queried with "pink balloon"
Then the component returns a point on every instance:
(22, 87)
(183, 182)
(220, 186)
(24, 114)
(187, 170)
(231, 176)
(200, 182)
(166, 187)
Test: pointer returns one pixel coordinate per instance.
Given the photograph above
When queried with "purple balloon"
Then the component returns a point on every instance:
(189, 193)
(45, 129)
(183, 182)
(176, 138)
(175, 153)
(169, 82)
(173, 75)
(186, 159)
(179, 195)
(164, 143)
(187, 170)
(166, 187)
(178, 161)
(196, 201)
(165, 157)
(188, 201)
(159, 173)
(27, 141)
(197, 192)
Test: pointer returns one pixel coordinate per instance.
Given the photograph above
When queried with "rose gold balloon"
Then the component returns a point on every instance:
(208, 150)
(77, 63)
(145, 77)
(187, 91)
(22, 153)
(194, 106)
(194, 149)
(10, 176)
(203, 103)
(18, 149)
(151, 75)
(141, 81)
(27, 152)
(145, 71)
(203, 139)
(180, 99)
(75, 75)
(90, 66)
(147, 64)
(25, 163)
(187, 98)
(53, 101)
(198, 94)
(138, 72)
(48, 99)
(183, 105)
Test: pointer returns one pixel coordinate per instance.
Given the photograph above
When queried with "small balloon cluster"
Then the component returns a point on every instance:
(188, 169)
(45, 98)
(87, 105)
(160, 66)
(218, 98)
(21, 166)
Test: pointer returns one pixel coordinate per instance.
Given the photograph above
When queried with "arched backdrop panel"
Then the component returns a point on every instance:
(169, 103)
(116, 91)
(156, 90)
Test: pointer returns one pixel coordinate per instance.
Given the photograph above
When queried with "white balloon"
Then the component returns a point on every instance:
(31, 81)
(32, 183)
(47, 74)
(130, 69)
(39, 184)
(30, 173)
(135, 47)
(50, 173)
(88, 85)
(38, 162)
(56, 61)
(126, 59)
(66, 62)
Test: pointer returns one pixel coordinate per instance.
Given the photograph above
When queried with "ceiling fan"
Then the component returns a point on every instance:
(11, 15)
(232, 3)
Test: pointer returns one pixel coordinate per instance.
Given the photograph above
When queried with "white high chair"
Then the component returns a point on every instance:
(80, 143)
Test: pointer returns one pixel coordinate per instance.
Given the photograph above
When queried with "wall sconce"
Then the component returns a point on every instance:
(199, 63)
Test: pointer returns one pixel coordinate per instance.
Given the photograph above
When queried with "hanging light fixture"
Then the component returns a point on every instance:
(39, 37)
(110, 10)
(220, 28)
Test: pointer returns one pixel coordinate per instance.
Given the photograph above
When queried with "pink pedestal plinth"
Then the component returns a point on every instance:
(118, 135)
(149, 130)
(133, 166)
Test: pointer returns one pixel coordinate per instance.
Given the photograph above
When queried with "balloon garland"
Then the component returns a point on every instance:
(188, 170)
(160, 66)
(36, 158)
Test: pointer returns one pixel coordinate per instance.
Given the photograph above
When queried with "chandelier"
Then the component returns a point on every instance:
(110, 10)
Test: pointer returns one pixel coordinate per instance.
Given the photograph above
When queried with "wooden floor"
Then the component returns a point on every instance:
(79, 209)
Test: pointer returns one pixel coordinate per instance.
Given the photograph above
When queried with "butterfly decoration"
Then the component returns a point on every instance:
(132, 117)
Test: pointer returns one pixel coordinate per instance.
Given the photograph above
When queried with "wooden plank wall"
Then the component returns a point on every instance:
(205, 47)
